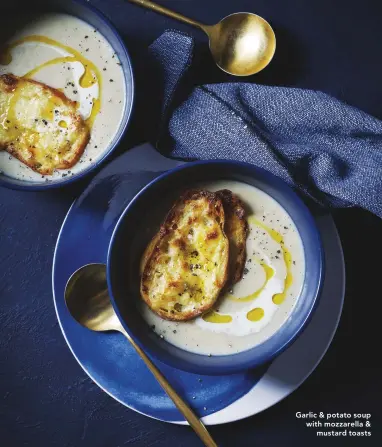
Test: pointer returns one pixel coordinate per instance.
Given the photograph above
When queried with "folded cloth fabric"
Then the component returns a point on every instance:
(330, 151)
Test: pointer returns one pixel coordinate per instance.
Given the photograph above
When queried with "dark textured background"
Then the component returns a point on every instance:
(45, 397)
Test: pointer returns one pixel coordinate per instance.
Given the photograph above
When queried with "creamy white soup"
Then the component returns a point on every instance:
(68, 54)
(256, 307)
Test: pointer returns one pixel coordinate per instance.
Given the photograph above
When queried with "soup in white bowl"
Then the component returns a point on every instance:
(68, 54)
(257, 306)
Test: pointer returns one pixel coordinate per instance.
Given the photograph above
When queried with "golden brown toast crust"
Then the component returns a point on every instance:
(169, 226)
(8, 84)
(236, 229)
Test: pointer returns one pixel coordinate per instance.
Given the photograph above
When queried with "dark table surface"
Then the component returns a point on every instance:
(45, 397)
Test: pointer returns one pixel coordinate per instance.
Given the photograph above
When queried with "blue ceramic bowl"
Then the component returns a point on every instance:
(130, 238)
(85, 11)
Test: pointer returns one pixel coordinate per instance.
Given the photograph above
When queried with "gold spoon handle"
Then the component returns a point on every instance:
(190, 416)
(167, 12)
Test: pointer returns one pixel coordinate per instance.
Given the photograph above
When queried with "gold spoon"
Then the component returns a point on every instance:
(241, 44)
(88, 301)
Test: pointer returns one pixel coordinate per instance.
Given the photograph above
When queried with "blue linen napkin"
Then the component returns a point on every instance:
(330, 151)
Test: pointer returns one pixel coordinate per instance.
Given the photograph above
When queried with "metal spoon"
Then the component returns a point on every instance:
(88, 301)
(241, 44)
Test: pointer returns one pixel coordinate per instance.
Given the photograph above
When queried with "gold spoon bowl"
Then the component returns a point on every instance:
(241, 44)
(88, 302)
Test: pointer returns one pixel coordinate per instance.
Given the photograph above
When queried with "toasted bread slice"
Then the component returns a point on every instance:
(186, 264)
(236, 229)
(39, 125)
(149, 249)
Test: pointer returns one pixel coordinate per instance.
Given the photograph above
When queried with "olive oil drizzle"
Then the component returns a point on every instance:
(269, 272)
(257, 313)
(215, 317)
(278, 298)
